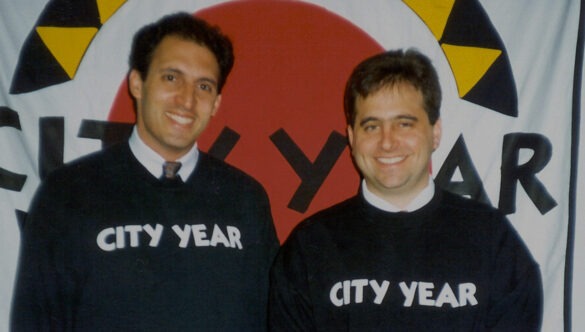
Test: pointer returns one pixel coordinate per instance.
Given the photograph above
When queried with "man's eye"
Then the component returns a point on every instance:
(370, 127)
(170, 77)
(206, 87)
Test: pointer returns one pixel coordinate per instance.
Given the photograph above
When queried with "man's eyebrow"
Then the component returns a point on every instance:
(171, 69)
(407, 117)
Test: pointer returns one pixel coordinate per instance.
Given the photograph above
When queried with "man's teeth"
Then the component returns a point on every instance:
(390, 160)
(180, 119)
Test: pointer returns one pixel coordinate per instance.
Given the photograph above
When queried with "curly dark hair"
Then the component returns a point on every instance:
(389, 69)
(186, 26)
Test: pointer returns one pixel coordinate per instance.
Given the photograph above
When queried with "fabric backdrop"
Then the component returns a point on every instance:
(511, 74)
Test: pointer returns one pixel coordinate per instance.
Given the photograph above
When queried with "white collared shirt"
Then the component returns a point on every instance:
(419, 201)
(153, 162)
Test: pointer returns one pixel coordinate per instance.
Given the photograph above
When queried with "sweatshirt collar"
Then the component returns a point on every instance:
(419, 201)
(153, 162)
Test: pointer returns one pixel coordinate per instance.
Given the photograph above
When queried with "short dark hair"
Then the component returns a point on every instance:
(189, 27)
(388, 69)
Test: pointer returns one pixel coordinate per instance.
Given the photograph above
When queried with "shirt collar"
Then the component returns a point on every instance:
(419, 201)
(153, 162)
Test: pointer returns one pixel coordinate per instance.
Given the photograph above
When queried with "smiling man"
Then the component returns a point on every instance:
(152, 234)
(402, 255)
(177, 97)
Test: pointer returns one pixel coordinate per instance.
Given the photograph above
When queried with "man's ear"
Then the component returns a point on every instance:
(350, 135)
(216, 105)
(437, 133)
(135, 84)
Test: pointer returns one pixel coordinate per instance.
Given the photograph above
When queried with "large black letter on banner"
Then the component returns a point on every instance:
(51, 144)
(525, 174)
(108, 132)
(9, 180)
(312, 174)
(471, 185)
(224, 143)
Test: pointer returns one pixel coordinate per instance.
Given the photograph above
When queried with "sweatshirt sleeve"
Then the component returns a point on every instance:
(516, 296)
(290, 304)
(41, 300)
(267, 246)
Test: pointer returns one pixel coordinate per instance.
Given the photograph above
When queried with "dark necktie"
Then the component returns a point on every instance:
(170, 170)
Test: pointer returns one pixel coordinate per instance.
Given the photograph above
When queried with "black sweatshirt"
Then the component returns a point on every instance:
(453, 265)
(107, 247)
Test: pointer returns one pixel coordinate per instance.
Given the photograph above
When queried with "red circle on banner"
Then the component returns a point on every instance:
(292, 61)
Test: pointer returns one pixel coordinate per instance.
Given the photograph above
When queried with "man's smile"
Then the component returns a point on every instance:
(390, 160)
(180, 119)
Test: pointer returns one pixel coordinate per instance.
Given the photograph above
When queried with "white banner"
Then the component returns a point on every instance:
(510, 113)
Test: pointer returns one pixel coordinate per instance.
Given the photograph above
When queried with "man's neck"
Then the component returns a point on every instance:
(153, 161)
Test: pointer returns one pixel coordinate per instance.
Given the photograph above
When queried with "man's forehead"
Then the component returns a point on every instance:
(172, 56)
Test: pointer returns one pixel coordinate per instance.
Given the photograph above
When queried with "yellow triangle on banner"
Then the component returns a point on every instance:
(434, 13)
(67, 45)
(107, 8)
(469, 64)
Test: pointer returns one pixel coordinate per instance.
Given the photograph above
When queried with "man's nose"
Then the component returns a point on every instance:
(186, 96)
(388, 138)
